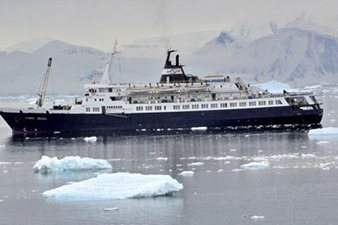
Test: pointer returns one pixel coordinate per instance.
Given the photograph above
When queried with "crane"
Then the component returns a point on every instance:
(43, 86)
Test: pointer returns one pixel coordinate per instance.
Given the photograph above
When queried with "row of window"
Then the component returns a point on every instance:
(95, 109)
(213, 105)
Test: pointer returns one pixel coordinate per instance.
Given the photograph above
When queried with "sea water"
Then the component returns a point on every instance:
(291, 177)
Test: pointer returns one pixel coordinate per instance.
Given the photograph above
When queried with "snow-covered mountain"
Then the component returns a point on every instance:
(301, 53)
(224, 44)
(21, 72)
(290, 55)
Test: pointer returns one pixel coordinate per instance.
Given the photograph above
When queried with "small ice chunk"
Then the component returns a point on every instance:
(220, 171)
(237, 170)
(48, 164)
(162, 158)
(90, 139)
(117, 186)
(111, 209)
(196, 164)
(324, 131)
(322, 142)
(199, 128)
(233, 150)
(2, 146)
(258, 217)
(308, 156)
(186, 173)
(255, 165)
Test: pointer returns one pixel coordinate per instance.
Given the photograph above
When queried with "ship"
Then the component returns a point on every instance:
(178, 101)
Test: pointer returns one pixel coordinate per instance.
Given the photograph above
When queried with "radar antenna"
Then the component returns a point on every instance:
(43, 86)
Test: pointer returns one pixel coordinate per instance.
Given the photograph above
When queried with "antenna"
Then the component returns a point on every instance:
(43, 86)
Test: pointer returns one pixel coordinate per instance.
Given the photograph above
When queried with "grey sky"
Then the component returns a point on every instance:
(96, 23)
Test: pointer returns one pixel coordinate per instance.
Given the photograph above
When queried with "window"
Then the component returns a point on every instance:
(157, 107)
(214, 105)
(270, 102)
(242, 104)
(139, 108)
(262, 103)
(278, 102)
(185, 106)
(233, 104)
(195, 107)
(149, 108)
(252, 103)
(224, 105)
(87, 109)
(96, 109)
(204, 106)
(176, 107)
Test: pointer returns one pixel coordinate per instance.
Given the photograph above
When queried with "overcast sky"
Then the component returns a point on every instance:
(97, 23)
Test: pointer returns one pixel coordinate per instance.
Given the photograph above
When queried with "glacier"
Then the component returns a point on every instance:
(117, 186)
(69, 163)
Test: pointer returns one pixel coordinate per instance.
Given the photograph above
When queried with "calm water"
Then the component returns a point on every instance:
(299, 187)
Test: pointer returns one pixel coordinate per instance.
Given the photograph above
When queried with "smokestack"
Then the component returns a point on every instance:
(177, 60)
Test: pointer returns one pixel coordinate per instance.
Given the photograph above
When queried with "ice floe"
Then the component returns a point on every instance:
(48, 164)
(186, 173)
(199, 128)
(324, 131)
(117, 186)
(258, 217)
(322, 142)
(90, 139)
(196, 164)
(255, 165)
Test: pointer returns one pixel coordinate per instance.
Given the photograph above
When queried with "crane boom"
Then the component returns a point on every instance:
(43, 85)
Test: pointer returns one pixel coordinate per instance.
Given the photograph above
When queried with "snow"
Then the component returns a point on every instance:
(117, 186)
(48, 164)
(274, 86)
(255, 165)
(324, 131)
(186, 173)
(90, 139)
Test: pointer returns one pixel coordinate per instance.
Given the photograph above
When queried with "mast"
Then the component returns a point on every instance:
(43, 86)
(106, 78)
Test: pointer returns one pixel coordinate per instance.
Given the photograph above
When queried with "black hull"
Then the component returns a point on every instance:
(53, 123)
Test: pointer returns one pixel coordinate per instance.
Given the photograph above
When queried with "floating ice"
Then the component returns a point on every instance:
(111, 209)
(324, 131)
(199, 128)
(255, 165)
(90, 139)
(322, 142)
(47, 164)
(117, 186)
(196, 164)
(258, 217)
(162, 158)
(2, 146)
(186, 173)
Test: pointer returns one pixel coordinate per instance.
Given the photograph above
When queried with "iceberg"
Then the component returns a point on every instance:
(90, 139)
(48, 164)
(324, 131)
(117, 186)
(255, 165)
(186, 173)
